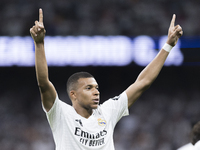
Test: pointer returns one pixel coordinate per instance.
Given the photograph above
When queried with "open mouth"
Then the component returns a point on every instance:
(96, 100)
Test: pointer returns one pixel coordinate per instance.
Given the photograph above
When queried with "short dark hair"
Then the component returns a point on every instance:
(196, 133)
(73, 79)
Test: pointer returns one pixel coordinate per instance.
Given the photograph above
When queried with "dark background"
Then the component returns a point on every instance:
(105, 17)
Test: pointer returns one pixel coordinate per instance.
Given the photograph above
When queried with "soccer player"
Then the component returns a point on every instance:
(195, 141)
(86, 125)
(196, 135)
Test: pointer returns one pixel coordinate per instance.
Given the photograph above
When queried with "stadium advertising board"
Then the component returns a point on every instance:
(92, 50)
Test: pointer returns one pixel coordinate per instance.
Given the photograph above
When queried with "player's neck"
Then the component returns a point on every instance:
(86, 113)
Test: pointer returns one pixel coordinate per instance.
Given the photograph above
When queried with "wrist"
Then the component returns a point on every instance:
(39, 44)
(167, 47)
(170, 42)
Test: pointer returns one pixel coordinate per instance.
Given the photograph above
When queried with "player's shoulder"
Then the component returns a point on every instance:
(63, 105)
(122, 96)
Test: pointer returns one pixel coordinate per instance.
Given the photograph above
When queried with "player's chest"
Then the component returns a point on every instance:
(91, 132)
(91, 124)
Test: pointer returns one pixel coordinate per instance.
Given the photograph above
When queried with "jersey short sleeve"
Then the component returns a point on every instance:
(115, 108)
(55, 113)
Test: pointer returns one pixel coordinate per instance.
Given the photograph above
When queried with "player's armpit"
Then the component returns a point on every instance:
(48, 95)
(135, 90)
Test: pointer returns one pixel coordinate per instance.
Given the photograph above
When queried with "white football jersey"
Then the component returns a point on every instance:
(71, 131)
(197, 145)
(188, 146)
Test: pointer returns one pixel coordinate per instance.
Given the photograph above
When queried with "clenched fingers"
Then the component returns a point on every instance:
(178, 30)
(33, 31)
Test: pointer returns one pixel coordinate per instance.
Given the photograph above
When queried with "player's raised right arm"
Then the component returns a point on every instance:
(47, 90)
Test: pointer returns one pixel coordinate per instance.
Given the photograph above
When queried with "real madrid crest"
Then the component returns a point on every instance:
(101, 122)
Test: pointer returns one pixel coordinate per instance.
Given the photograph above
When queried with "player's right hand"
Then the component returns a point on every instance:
(37, 31)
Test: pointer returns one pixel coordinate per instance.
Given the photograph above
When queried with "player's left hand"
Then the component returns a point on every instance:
(174, 32)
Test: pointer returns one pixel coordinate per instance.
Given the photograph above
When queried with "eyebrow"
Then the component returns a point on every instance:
(92, 85)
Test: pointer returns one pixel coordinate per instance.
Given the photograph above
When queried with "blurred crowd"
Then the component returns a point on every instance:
(160, 120)
(99, 17)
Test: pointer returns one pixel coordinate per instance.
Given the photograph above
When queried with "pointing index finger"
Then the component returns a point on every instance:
(40, 16)
(173, 21)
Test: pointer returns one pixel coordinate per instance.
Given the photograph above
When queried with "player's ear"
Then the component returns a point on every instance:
(72, 95)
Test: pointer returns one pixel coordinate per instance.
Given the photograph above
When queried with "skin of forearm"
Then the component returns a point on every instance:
(150, 73)
(41, 64)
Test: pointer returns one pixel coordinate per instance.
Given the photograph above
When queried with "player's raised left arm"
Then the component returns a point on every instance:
(151, 71)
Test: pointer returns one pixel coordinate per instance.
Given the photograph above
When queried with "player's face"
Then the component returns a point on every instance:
(87, 93)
